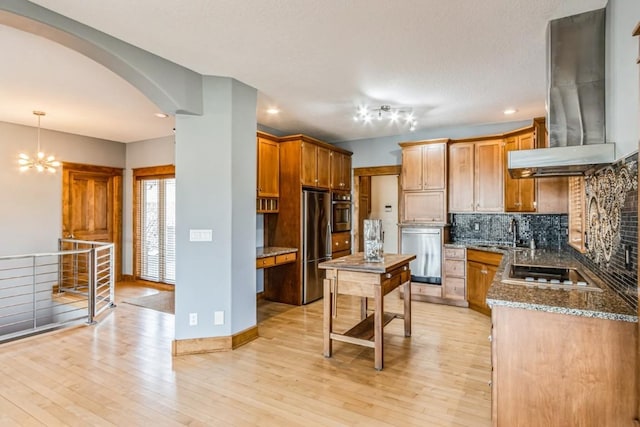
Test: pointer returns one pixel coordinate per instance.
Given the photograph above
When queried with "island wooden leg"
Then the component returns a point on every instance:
(378, 338)
(407, 308)
(363, 308)
(328, 316)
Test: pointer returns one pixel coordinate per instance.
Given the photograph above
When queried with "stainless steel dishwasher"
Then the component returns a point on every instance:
(426, 244)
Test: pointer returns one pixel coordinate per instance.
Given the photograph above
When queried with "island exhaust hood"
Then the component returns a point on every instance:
(575, 102)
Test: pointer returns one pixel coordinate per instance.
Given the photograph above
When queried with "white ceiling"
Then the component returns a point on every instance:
(455, 62)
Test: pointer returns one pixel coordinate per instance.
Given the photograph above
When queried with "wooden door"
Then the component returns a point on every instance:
(434, 166)
(489, 172)
(92, 205)
(461, 172)
(412, 168)
(268, 168)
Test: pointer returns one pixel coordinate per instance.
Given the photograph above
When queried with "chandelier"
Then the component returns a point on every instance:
(40, 162)
(386, 112)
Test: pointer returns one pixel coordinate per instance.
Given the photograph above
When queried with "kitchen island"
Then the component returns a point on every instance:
(560, 356)
(352, 275)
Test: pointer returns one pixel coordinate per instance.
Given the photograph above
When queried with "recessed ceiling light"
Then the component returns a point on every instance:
(510, 111)
(273, 111)
(161, 115)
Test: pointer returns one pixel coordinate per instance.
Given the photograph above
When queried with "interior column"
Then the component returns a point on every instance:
(215, 192)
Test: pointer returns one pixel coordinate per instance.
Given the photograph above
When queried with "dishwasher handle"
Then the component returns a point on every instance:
(420, 231)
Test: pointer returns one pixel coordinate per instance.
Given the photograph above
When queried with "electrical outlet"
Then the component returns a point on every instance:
(218, 318)
(193, 319)
(476, 226)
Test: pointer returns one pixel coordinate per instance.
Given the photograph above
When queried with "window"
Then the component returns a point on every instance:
(155, 192)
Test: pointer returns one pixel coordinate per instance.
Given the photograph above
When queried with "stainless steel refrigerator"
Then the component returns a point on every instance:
(316, 242)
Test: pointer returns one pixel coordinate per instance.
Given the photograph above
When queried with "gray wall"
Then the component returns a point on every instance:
(152, 152)
(31, 202)
(622, 76)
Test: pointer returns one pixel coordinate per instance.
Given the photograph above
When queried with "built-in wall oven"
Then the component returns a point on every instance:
(341, 212)
(426, 244)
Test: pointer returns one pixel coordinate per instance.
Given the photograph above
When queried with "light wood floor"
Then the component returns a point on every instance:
(120, 372)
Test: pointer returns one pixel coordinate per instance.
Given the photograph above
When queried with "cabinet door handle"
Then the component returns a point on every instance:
(346, 242)
(484, 271)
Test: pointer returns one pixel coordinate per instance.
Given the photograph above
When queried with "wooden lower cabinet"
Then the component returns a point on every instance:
(340, 244)
(481, 269)
(454, 285)
(552, 369)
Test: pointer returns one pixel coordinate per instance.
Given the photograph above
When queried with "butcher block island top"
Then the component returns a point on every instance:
(352, 275)
(356, 262)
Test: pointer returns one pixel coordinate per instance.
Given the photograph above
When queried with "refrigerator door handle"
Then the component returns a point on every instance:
(329, 248)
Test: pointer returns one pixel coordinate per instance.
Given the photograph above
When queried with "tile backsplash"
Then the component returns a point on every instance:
(611, 195)
(547, 231)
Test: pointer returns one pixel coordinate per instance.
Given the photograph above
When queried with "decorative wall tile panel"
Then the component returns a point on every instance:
(612, 229)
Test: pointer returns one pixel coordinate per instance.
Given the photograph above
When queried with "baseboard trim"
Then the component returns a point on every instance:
(243, 337)
(213, 344)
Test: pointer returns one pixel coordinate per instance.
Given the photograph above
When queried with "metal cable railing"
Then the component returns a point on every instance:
(44, 291)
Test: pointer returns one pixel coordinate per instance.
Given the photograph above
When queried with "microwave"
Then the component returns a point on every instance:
(341, 212)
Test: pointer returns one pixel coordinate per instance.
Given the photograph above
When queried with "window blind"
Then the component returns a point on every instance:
(155, 229)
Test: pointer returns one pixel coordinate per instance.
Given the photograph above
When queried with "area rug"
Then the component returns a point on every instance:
(162, 301)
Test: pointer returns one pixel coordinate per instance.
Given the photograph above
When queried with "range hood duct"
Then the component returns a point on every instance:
(575, 101)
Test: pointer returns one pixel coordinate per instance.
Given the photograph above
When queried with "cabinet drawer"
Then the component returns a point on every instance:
(340, 242)
(454, 288)
(454, 267)
(454, 253)
(281, 259)
(430, 290)
(265, 262)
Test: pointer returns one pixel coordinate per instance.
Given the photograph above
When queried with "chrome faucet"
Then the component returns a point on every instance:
(513, 228)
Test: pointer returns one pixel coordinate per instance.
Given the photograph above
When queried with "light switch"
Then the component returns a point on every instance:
(200, 235)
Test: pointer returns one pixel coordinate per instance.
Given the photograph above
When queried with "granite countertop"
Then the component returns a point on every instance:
(267, 251)
(578, 302)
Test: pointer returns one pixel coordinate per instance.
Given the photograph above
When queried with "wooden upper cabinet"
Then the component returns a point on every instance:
(461, 177)
(268, 168)
(424, 167)
(424, 181)
(309, 172)
(315, 165)
(475, 176)
(412, 168)
(519, 194)
(323, 167)
(489, 176)
(434, 163)
(424, 206)
(340, 171)
(577, 209)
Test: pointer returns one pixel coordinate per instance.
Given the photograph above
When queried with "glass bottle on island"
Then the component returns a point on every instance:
(373, 240)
